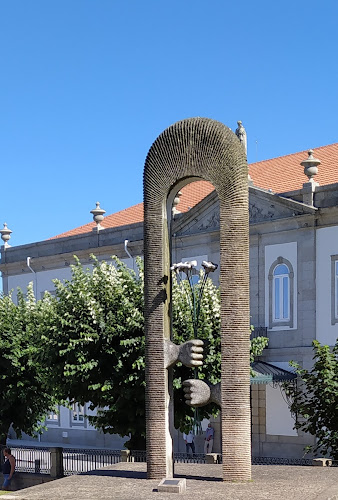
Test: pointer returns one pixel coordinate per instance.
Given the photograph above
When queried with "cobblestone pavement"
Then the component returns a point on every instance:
(126, 481)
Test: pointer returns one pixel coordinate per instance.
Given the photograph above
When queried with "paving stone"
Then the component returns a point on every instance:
(127, 481)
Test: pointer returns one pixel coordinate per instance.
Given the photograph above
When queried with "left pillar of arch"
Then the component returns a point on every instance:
(157, 329)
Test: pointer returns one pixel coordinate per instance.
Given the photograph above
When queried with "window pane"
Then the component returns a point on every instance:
(285, 298)
(81, 413)
(336, 289)
(52, 416)
(281, 269)
(77, 412)
(277, 298)
(336, 296)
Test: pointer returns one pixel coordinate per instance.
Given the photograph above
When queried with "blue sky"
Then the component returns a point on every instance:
(87, 85)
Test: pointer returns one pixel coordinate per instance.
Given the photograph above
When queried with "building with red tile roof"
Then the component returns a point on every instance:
(281, 174)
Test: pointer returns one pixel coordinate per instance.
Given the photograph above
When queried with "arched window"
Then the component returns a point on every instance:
(281, 294)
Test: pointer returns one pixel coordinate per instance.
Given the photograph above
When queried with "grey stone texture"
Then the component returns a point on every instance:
(189, 353)
(198, 148)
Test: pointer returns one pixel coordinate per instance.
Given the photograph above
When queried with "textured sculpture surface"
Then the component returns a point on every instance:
(189, 354)
(199, 393)
(198, 148)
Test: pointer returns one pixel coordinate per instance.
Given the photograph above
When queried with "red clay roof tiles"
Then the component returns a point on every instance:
(279, 174)
(286, 174)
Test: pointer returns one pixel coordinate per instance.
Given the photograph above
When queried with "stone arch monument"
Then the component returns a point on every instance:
(194, 149)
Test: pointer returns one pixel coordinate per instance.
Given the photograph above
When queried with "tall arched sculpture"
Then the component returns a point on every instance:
(198, 148)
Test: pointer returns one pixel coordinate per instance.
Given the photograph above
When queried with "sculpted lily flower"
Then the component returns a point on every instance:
(190, 264)
(183, 266)
(177, 267)
(209, 267)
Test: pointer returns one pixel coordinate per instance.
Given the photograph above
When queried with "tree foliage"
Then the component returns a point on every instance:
(95, 345)
(24, 392)
(88, 344)
(315, 402)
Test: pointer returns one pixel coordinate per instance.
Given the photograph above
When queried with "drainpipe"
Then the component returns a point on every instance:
(127, 251)
(35, 281)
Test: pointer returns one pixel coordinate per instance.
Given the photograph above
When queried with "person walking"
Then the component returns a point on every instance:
(209, 439)
(189, 441)
(8, 468)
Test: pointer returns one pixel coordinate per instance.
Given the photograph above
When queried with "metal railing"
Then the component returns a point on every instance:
(280, 461)
(77, 460)
(138, 456)
(186, 458)
(196, 458)
(259, 331)
(34, 460)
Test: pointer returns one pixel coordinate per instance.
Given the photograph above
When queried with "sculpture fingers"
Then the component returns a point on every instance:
(196, 349)
(196, 355)
(197, 342)
(190, 353)
(196, 392)
(195, 363)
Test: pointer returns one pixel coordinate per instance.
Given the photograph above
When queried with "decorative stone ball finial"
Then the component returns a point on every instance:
(310, 165)
(5, 235)
(98, 216)
(175, 203)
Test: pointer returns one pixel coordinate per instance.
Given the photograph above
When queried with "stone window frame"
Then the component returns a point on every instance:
(334, 290)
(74, 423)
(284, 323)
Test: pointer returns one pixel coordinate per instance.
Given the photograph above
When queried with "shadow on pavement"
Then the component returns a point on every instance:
(129, 474)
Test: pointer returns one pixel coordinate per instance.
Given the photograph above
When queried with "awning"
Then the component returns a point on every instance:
(266, 373)
(260, 378)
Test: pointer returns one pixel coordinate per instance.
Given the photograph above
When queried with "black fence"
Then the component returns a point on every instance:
(259, 331)
(185, 458)
(35, 460)
(77, 461)
(281, 461)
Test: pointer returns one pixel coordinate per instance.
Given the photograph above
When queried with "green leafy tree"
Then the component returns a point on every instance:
(24, 393)
(315, 402)
(94, 345)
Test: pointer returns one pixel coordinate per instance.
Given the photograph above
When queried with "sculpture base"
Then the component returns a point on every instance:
(170, 485)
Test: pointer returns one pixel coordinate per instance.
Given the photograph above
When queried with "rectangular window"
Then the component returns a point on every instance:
(77, 413)
(53, 417)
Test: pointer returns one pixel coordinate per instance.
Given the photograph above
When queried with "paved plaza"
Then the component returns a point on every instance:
(127, 481)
